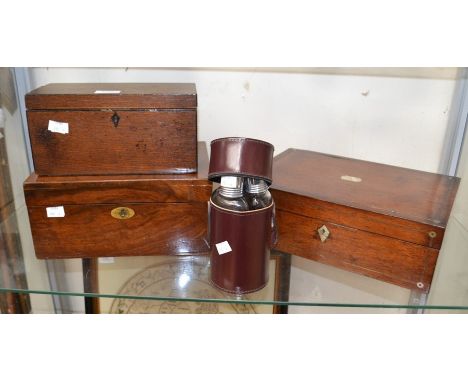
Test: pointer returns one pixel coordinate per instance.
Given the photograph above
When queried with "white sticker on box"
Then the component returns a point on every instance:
(106, 260)
(55, 212)
(229, 181)
(58, 127)
(223, 247)
(107, 92)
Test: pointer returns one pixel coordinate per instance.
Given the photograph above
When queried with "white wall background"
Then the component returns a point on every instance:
(390, 116)
(19, 171)
(393, 116)
(450, 282)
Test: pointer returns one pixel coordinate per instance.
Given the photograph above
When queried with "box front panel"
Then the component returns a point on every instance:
(113, 142)
(402, 229)
(402, 263)
(108, 230)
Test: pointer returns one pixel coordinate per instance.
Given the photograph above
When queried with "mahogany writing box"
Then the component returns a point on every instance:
(119, 215)
(104, 129)
(381, 221)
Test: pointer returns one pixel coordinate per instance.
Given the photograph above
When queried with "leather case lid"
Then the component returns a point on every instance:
(113, 96)
(413, 195)
(241, 156)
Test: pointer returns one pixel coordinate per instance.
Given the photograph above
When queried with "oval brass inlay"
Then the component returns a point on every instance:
(122, 213)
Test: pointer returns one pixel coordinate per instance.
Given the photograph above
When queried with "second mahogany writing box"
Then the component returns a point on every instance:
(102, 129)
(381, 221)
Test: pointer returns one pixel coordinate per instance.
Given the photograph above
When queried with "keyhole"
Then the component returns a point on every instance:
(115, 119)
(123, 213)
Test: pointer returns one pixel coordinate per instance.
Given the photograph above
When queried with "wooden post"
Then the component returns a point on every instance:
(91, 285)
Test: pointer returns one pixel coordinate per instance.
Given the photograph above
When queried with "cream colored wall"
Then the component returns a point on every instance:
(393, 116)
(19, 171)
(450, 283)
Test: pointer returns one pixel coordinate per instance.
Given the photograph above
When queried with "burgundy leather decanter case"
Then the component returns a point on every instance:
(245, 268)
(240, 236)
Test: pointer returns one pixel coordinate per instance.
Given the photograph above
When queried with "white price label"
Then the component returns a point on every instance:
(229, 181)
(223, 247)
(58, 127)
(106, 260)
(55, 212)
(107, 92)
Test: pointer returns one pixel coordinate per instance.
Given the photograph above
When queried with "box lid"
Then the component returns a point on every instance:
(81, 96)
(403, 203)
(97, 189)
(412, 195)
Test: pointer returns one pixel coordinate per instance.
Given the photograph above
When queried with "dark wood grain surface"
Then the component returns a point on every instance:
(90, 230)
(200, 177)
(377, 256)
(388, 190)
(170, 214)
(53, 190)
(144, 142)
(132, 96)
(387, 224)
(368, 221)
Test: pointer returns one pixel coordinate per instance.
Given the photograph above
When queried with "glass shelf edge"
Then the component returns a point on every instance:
(227, 301)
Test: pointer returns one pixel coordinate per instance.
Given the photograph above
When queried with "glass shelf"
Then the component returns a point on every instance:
(181, 284)
(173, 284)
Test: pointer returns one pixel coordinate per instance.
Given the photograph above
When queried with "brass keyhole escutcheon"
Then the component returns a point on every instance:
(122, 213)
(323, 233)
(432, 234)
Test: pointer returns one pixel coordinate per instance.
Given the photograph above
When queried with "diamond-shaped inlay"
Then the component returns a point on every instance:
(323, 233)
